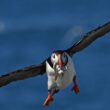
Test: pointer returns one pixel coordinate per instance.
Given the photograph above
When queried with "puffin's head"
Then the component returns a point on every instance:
(59, 58)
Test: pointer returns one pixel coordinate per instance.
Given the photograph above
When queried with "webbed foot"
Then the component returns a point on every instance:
(48, 100)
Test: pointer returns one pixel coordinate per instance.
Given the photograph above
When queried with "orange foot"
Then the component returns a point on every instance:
(76, 89)
(48, 100)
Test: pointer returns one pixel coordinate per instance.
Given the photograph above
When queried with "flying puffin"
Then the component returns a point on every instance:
(61, 73)
(59, 66)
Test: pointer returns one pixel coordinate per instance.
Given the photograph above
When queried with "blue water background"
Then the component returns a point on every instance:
(31, 29)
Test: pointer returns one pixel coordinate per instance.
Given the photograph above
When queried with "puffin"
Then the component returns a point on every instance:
(61, 73)
(59, 66)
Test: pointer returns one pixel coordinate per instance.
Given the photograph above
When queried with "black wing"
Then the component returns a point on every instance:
(89, 38)
(22, 74)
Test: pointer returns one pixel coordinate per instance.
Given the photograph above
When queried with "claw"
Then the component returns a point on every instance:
(48, 100)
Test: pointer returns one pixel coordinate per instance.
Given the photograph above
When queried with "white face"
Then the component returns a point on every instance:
(64, 57)
(60, 59)
(54, 58)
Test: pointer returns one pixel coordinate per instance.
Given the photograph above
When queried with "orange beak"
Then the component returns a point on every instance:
(60, 62)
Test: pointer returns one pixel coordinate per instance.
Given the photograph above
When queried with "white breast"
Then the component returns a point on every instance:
(67, 78)
(68, 74)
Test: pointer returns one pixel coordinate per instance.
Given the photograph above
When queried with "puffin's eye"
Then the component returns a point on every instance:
(64, 57)
(53, 56)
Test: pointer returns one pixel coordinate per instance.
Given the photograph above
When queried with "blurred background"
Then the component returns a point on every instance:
(31, 29)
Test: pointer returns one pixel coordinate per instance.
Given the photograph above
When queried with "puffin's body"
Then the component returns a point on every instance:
(61, 73)
(57, 80)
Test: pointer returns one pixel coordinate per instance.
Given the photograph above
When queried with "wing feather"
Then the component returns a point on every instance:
(88, 38)
(22, 74)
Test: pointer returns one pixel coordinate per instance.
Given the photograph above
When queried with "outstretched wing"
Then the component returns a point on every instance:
(89, 38)
(22, 74)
